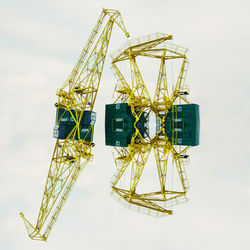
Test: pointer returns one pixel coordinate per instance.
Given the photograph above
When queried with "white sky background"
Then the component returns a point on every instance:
(39, 44)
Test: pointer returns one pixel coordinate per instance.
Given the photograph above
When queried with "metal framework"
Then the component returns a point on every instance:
(71, 156)
(132, 90)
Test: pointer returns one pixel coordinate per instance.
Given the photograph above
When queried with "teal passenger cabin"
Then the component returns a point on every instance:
(119, 124)
(182, 125)
(65, 123)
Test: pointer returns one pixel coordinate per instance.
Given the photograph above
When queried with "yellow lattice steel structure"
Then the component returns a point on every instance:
(131, 161)
(72, 155)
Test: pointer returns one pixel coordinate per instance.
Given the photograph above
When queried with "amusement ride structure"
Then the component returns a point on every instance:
(74, 126)
(127, 125)
(148, 132)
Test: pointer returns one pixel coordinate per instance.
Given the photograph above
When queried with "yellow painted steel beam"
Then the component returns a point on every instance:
(71, 155)
(135, 93)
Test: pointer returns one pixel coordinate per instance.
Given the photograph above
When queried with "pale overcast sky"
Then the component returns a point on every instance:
(39, 44)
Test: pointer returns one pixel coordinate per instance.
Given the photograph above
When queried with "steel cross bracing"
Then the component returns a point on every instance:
(135, 93)
(71, 156)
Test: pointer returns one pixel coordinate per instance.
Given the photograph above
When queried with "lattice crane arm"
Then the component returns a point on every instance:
(75, 103)
(83, 82)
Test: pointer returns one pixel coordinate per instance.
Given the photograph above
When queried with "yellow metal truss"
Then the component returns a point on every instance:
(135, 93)
(71, 156)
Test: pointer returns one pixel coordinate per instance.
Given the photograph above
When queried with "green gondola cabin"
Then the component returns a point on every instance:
(65, 125)
(182, 125)
(119, 124)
